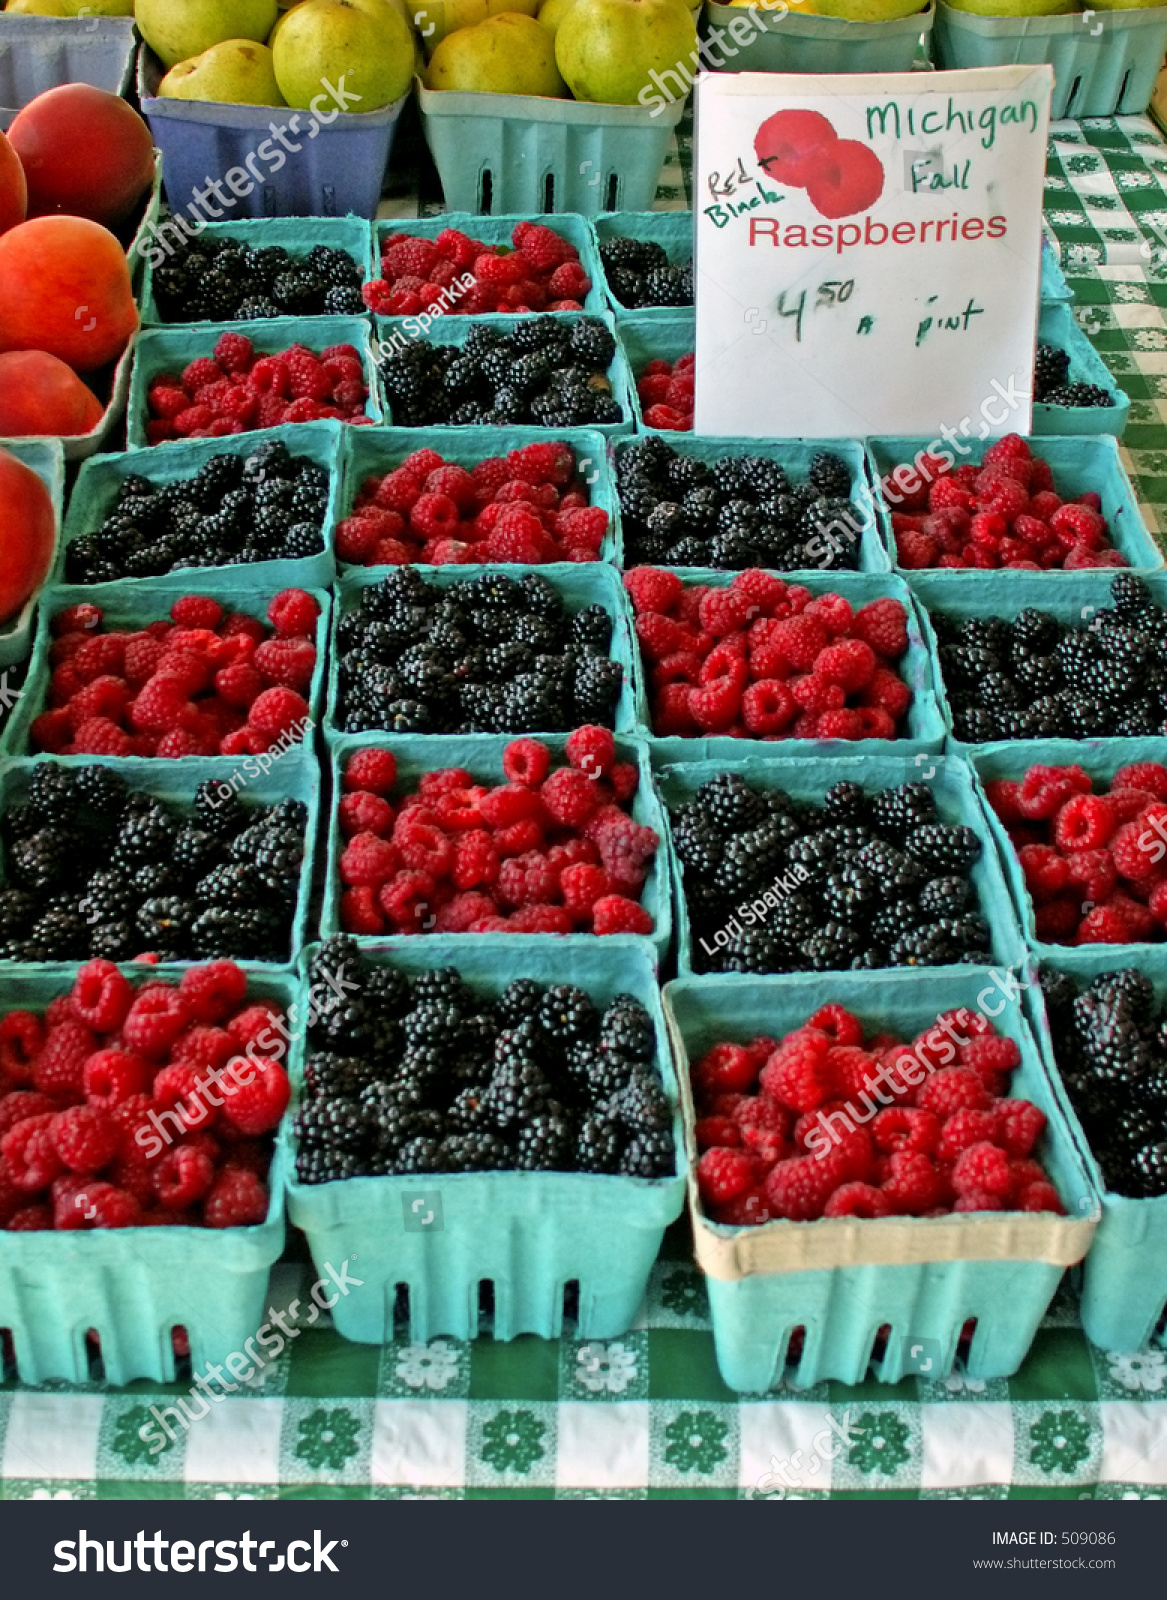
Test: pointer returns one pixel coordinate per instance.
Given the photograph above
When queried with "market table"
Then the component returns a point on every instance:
(647, 1415)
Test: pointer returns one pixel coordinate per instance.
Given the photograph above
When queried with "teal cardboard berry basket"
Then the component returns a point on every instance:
(257, 781)
(579, 585)
(394, 334)
(1053, 280)
(1122, 1283)
(924, 729)
(1101, 758)
(1073, 598)
(100, 479)
(671, 230)
(47, 460)
(481, 755)
(522, 154)
(807, 780)
(131, 606)
(1057, 326)
(795, 455)
(788, 40)
(1079, 466)
(296, 235)
(498, 230)
(370, 452)
(171, 349)
(890, 1295)
(660, 334)
(133, 1287)
(1102, 71)
(533, 1237)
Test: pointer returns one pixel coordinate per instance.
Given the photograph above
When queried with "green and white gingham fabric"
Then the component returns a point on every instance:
(647, 1415)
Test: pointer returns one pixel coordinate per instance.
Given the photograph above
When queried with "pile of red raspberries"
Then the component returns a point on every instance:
(530, 505)
(765, 659)
(237, 389)
(204, 682)
(455, 273)
(147, 1107)
(825, 1124)
(545, 852)
(1095, 865)
(1004, 513)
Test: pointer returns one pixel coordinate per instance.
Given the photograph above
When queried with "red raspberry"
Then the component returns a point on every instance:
(96, 1205)
(617, 913)
(767, 707)
(290, 662)
(1104, 925)
(423, 845)
(238, 1199)
(475, 861)
(527, 880)
(749, 1210)
(234, 353)
(849, 663)
(85, 1138)
(839, 725)
(592, 750)
(724, 1069)
(653, 589)
(162, 706)
(952, 1089)
(30, 1154)
(405, 899)
(569, 797)
(883, 624)
(764, 1128)
(537, 919)
(717, 1133)
(1044, 790)
(1149, 775)
(372, 769)
(582, 530)
(1019, 1125)
(716, 707)
(910, 1183)
(196, 611)
(213, 991)
(59, 1067)
(294, 612)
(101, 996)
(277, 713)
(723, 1175)
(257, 1107)
(1085, 822)
(982, 1169)
(840, 1025)
(183, 1177)
(368, 860)
(518, 535)
(155, 1020)
(364, 813)
(203, 1047)
(990, 1055)
(22, 1037)
(799, 1187)
(569, 282)
(906, 1128)
(799, 1074)
(1040, 1197)
(581, 886)
(858, 1200)
(964, 1129)
(1046, 872)
(360, 912)
(22, 1104)
(1132, 846)
(526, 761)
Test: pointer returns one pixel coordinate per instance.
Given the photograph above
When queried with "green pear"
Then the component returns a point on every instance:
(236, 72)
(435, 20)
(351, 45)
(507, 54)
(552, 12)
(1021, 8)
(179, 32)
(99, 8)
(606, 49)
(881, 10)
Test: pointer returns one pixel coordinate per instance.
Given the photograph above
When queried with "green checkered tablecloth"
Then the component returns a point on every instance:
(647, 1415)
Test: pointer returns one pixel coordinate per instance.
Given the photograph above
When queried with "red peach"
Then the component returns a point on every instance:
(65, 288)
(13, 187)
(26, 515)
(85, 153)
(39, 394)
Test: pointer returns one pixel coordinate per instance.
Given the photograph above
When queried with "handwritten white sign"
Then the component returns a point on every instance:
(868, 251)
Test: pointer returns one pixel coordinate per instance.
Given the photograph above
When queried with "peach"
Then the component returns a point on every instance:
(85, 153)
(26, 515)
(39, 394)
(13, 187)
(65, 288)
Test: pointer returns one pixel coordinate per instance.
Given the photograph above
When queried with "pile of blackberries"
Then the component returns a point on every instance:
(743, 511)
(868, 880)
(266, 506)
(225, 280)
(1052, 386)
(1111, 1046)
(95, 868)
(550, 371)
(427, 1074)
(488, 655)
(1038, 678)
(640, 274)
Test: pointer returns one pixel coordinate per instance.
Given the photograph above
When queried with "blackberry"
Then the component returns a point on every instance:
(943, 847)
(324, 1164)
(832, 948)
(517, 1092)
(54, 794)
(241, 931)
(218, 811)
(627, 1029)
(232, 884)
(342, 300)
(479, 1151)
(896, 811)
(195, 851)
(567, 1013)
(698, 840)
(340, 1124)
(650, 1153)
(592, 344)
(598, 1145)
(1148, 1169)
(928, 946)
(830, 474)
(43, 861)
(61, 936)
(469, 1110)
(108, 898)
(17, 909)
(418, 1155)
(641, 1104)
(729, 803)
(944, 897)
(165, 923)
(849, 896)
(895, 921)
(519, 1000)
(544, 1143)
(1051, 369)
(1078, 394)
(846, 802)
(753, 950)
(327, 1075)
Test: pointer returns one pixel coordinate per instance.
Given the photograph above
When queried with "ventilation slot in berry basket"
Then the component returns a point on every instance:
(92, 1357)
(1072, 97)
(965, 1343)
(486, 193)
(401, 1328)
(790, 1359)
(571, 1300)
(549, 192)
(1159, 1336)
(486, 1305)
(7, 1356)
(881, 1343)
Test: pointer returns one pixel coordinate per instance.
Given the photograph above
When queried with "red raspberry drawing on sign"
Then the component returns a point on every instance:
(801, 149)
